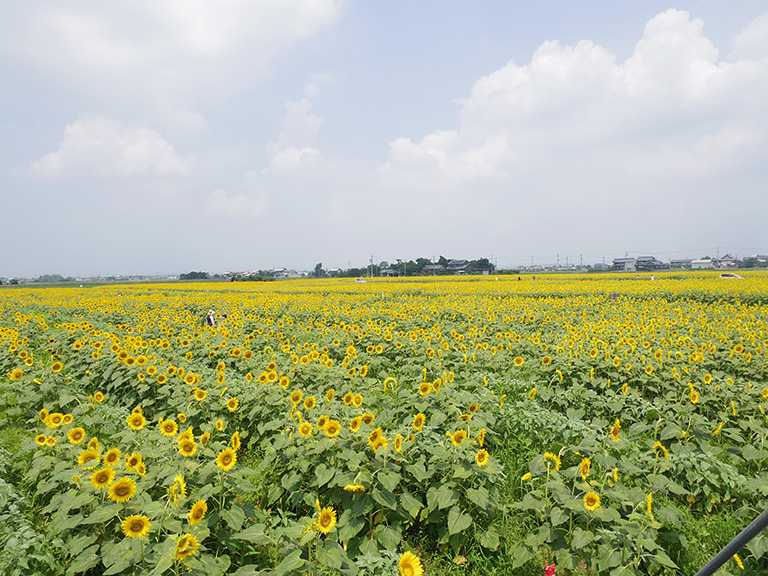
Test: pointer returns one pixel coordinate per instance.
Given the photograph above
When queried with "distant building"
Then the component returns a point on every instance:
(457, 266)
(729, 261)
(623, 265)
(704, 264)
(680, 263)
(649, 264)
(434, 268)
(389, 272)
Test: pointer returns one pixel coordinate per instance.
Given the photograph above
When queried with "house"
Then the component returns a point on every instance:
(729, 261)
(623, 265)
(649, 264)
(704, 264)
(434, 268)
(457, 266)
(680, 263)
(389, 272)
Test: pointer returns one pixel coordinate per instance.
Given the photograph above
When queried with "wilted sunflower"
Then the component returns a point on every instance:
(197, 512)
(226, 459)
(102, 478)
(136, 526)
(122, 490)
(410, 565)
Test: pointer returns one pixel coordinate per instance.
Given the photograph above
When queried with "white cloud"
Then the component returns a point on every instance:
(672, 108)
(101, 147)
(752, 42)
(170, 54)
(294, 146)
(237, 206)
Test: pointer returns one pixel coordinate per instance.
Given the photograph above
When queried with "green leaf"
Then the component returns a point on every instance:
(521, 555)
(214, 565)
(490, 539)
(458, 521)
(478, 496)
(664, 560)
(80, 543)
(411, 503)
(758, 545)
(86, 559)
(557, 516)
(581, 538)
(349, 526)
(441, 497)
(385, 498)
(324, 474)
(419, 472)
(103, 513)
(291, 562)
(254, 534)
(389, 536)
(330, 554)
(234, 517)
(389, 480)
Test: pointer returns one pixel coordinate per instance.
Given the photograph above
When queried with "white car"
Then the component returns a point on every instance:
(729, 275)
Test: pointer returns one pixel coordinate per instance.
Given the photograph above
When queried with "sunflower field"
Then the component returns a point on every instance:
(603, 424)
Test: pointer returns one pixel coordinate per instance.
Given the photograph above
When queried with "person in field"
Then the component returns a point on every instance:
(209, 319)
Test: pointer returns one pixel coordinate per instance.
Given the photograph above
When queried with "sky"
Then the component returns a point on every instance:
(151, 137)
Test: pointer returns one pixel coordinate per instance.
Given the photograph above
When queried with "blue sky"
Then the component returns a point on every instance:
(166, 137)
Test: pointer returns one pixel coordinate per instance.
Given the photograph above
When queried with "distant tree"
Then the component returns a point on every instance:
(318, 271)
(443, 260)
(194, 276)
(14, 281)
(50, 278)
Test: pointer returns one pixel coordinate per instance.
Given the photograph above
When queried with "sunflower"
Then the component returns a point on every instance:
(481, 437)
(322, 422)
(189, 378)
(591, 501)
(326, 521)
(310, 403)
(458, 437)
(197, 512)
(232, 404)
(549, 456)
(204, 438)
(332, 428)
(708, 379)
(136, 526)
(694, 396)
(219, 425)
(132, 461)
(368, 419)
(169, 428)
(410, 565)
(418, 421)
(615, 430)
(50, 441)
(284, 382)
(44, 413)
(532, 393)
(102, 478)
(16, 374)
(354, 488)
(54, 420)
(425, 388)
(57, 366)
(519, 361)
(305, 430)
(136, 421)
(76, 435)
(357, 400)
(187, 447)
(122, 490)
(112, 457)
(546, 361)
(525, 477)
(482, 457)
(88, 459)
(200, 394)
(226, 459)
(40, 439)
(234, 441)
(584, 467)
(186, 546)
(659, 447)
